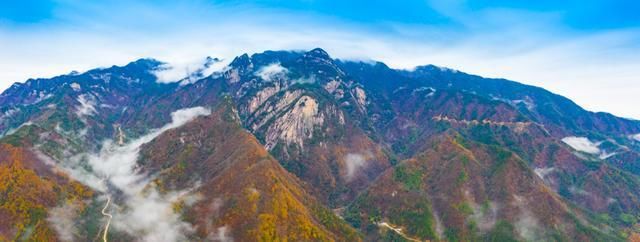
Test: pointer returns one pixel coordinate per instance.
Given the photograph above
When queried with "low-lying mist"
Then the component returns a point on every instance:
(140, 210)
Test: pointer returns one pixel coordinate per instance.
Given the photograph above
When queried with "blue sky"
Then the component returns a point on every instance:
(585, 50)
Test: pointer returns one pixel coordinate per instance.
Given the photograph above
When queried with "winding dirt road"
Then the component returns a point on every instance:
(104, 213)
(398, 231)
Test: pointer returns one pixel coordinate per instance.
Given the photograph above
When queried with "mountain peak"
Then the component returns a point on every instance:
(318, 53)
(244, 59)
(146, 62)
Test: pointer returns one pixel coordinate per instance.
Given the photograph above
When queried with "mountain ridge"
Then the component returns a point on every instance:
(154, 62)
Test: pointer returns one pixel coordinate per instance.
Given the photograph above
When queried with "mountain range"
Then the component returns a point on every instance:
(299, 146)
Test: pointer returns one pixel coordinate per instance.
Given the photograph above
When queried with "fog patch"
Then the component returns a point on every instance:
(87, 105)
(485, 215)
(527, 102)
(13, 130)
(430, 91)
(191, 199)
(527, 225)
(271, 72)
(579, 191)
(189, 71)
(44, 158)
(9, 113)
(305, 80)
(543, 172)
(152, 216)
(63, 221)
(79, 170)
(220, 235)
(582, 144)
(439, 225)
(215, 206)
(354, 162)
(604, 155)
(144, 211)
(75, 86)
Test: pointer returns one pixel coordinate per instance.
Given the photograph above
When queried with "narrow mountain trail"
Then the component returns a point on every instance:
(109, 216)
(398, 231)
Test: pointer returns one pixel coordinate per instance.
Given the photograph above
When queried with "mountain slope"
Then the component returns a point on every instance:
(30, 191)
(244, 191)
(464, 190)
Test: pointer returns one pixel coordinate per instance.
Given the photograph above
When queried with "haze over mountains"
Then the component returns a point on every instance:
(300, 146)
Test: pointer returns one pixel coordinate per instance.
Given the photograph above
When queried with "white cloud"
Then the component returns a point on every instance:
(9, 112)
(11, 131)
(271, 71)
(579, 191)
(189, 71)
(542, 172)
(485, 216)
(526, 224)
(354, 162)
(582, 144)
(305, 80)
(75, 86)
(151, 216)
(214, 67)
(172, 73)
(183, 116)
(145, 213)
(221, 235)
(604, 155)
(87, 105)
(63, 220)
(118, 162)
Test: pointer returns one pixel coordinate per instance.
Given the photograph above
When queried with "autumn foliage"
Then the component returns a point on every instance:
(26, 196)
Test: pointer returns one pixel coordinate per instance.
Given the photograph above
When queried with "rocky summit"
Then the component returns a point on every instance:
(298, 146)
